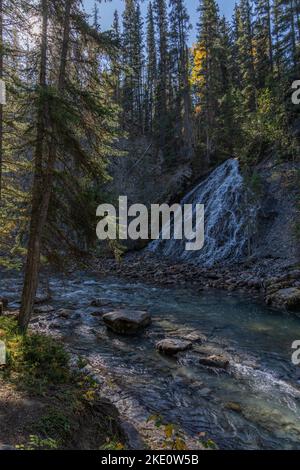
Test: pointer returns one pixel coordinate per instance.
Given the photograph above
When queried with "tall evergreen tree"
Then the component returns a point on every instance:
(96, 17)
(227, 125)
(179, 70)
(245, 48)
(161, 118)
(139, 66)
(151, 72)
(116, 28)
(132, 45)
(71, 126)
(207, 76)
(263, 42)
(285, 39)
(116, 69)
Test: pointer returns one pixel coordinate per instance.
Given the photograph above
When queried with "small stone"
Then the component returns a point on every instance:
(195, 337)
(219, 362)
(97, 314)
(173, 346)
(64, 313)
(99, 302)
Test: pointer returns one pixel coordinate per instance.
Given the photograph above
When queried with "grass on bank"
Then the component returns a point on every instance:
(44, 403)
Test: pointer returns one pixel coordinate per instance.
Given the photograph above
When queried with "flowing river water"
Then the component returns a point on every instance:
(261, 378)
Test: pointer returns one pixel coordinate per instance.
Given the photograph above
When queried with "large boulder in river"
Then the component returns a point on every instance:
(127, 322)
(288, 298)
(172, 346)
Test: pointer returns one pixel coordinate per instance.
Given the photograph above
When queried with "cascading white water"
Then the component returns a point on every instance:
(229, 220)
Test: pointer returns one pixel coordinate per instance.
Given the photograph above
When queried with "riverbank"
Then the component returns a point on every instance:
(48, 404)
(270, 280)
(186, 393)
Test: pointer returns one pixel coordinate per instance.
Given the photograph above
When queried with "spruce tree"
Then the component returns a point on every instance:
(245, 48)
(285, 29)
(179, 71)
(116, 29)
(263, 42)
(116, 68)
(72, 129)
(161, 117)
(207, 77)
(151, 71)
(132, 46)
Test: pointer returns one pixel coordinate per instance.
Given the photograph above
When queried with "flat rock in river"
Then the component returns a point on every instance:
(126, 322)
(172, 346)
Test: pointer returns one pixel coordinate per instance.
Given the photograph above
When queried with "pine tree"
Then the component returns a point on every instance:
(263, 42)
(245, 57)
(116, 29)
(151, 72)
(72, 128)
(39, 200)
(139, 67)
(179, 70)
(116, 69)
(161, 117)
(96, 17)
(235, 34)
(206, 77)
(227, 124)
(132, 45)
(285, 40)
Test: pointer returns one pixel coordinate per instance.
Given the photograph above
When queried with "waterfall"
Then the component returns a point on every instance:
(229, 220)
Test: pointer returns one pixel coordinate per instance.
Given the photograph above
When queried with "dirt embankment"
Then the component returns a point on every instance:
(46, 403)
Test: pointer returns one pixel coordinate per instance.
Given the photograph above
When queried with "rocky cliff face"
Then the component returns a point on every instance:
(276, 237)
(144, 175)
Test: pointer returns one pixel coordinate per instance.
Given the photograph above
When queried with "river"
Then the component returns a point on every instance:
(261, 378)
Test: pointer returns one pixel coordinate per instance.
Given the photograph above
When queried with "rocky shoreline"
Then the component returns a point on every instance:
(269, 280)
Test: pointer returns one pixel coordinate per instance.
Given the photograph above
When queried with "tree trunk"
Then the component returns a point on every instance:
(42, 193)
